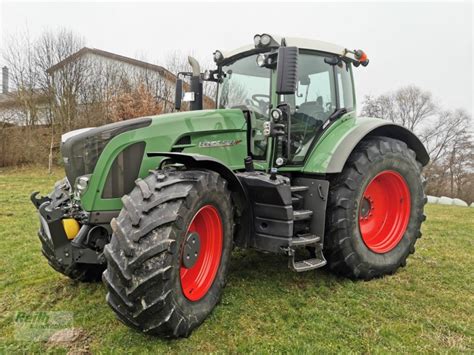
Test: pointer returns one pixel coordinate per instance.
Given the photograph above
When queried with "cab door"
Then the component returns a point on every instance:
(322, 89)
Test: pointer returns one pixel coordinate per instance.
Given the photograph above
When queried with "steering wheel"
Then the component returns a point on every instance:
(258, 105)
(261, 102)
(263, 96)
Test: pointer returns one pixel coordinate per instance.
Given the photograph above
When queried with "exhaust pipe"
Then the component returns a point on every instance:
(195, 66)
(196, 84)
(196, 95)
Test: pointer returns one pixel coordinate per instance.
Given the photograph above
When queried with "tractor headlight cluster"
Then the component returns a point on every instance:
(264, 40)
(82, 182)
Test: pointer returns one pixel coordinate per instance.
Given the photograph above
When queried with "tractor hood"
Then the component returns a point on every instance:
(82, 150)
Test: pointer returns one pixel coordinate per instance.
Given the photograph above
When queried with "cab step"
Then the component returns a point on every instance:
(315, 262)
(300, 215)
(307, 239)
(306, 265)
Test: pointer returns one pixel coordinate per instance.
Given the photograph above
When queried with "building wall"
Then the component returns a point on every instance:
(101, 77)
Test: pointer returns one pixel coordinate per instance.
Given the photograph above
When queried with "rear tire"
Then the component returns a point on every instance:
(146, 274)
(375, 210)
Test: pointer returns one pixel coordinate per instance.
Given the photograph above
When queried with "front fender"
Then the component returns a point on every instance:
(333, 149)
(206, 162)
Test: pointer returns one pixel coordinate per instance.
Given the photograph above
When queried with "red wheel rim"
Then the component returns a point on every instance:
(384, 211)
(196, 280)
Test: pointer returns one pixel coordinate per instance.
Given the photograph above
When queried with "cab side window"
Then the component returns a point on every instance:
(345, 88)
(312, 104)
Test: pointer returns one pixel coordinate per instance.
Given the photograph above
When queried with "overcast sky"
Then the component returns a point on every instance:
(426, 44)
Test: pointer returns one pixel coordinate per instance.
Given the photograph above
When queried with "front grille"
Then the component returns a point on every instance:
(124, 171)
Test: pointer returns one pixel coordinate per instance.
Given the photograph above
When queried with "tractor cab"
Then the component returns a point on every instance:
(290, 89)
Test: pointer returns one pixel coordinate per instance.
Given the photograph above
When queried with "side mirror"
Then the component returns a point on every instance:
(287, 71)
(179, 94)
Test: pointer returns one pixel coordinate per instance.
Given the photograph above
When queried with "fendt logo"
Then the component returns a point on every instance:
(215, 144)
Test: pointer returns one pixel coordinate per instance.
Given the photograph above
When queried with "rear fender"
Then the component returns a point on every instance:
(332, 151)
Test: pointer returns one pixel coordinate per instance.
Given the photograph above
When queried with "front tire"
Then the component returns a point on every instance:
(375, 210)
(170, 250)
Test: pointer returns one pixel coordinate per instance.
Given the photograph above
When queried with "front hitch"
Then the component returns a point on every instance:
(38, 201)
(53, 236)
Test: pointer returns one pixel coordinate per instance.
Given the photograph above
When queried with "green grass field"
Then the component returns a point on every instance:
(428, 306)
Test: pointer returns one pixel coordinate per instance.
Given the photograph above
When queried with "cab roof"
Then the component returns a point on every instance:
(301, 43)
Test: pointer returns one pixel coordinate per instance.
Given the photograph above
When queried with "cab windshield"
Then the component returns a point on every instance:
(245, 84)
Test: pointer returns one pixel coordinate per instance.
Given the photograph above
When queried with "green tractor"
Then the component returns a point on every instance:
(283, 164)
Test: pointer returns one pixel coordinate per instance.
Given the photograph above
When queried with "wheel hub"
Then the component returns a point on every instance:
(384, 211)
(366, 207)
(192, 246)
(201, 253)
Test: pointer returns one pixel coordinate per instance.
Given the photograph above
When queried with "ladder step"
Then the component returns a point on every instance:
(299, 215)
(299, 188)
(305, 239)
(306, 265)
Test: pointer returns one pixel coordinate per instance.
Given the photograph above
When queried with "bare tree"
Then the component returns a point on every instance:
(43, 99)
(19, 54)
(442, 133)
(408, 106)
(446, 135)
(63, 84)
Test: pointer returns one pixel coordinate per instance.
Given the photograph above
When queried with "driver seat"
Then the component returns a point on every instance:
(310, 108)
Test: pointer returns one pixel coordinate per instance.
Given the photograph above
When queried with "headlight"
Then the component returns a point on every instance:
(261, 59)
(276, 115)
(265, 40)
(256, 40)
(81, 184)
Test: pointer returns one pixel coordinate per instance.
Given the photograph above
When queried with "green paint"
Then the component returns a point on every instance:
(160, 136)
(319, 158)
(208, 126)
(205, 126)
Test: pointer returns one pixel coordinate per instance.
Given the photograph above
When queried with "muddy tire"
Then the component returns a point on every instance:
(170, 250)
(375, 210)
